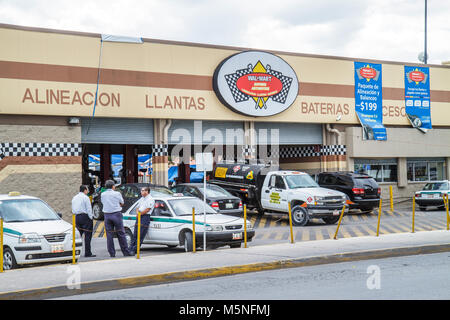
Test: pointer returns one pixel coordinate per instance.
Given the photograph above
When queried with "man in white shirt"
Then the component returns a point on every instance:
(81, 208)
(144, 208)
(112, 202)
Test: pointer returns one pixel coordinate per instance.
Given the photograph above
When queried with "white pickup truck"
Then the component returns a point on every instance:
(274, 190)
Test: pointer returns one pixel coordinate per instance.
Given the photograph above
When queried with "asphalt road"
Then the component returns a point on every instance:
(420, 277)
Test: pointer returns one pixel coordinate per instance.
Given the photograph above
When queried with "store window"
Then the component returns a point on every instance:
(426, 169)
(382, 170)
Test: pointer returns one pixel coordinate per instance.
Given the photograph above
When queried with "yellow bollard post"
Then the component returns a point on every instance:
(339, 223)
(193, 230)
(290, 222)
(138, 244)
(245, 226)
(1, 244)
(392, 198)
(413, 213)
(73, 239)
(448, 217)
(379, 216)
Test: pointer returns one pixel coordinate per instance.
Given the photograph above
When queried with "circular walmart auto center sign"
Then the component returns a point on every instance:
(255, 83)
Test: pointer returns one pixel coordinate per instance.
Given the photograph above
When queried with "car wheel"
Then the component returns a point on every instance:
(299, 216)
(9, 261)
(331, 220)
(188, 242)
(128, 236)
(97, 211)
(235, 245)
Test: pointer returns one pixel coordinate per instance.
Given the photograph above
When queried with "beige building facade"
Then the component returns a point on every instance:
(153, 96)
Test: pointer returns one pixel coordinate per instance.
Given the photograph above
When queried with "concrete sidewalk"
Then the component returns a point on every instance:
(52, 281)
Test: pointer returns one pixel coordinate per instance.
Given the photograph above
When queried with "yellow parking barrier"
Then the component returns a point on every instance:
(392, 198)
(379, 216)
(245, 226)
(290, 222)
(1, 244)
(193, 230)
(413, 213)
(339, 223)
(73, 240)
(138, 244)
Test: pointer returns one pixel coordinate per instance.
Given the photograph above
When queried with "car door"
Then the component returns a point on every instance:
(277, 195)
(162, 224)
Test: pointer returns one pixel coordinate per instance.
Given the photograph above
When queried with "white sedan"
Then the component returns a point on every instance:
(432, 195)
(171, 224)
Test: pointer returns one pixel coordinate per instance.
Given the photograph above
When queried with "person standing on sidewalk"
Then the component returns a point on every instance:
(81, 208)
(144, 209)
(112, 202)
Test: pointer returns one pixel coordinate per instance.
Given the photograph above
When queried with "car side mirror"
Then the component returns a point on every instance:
(59, 214)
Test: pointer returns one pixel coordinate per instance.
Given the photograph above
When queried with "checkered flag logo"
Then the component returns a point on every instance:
(240, 96)
(286, 81)
(231, 79)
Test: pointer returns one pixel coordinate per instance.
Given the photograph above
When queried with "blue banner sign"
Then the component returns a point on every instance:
(369, 100)
(417, 97)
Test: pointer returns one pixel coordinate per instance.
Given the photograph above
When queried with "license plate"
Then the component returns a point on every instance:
(237, 236)
(57, 248)
(229, 205)
(335, 212)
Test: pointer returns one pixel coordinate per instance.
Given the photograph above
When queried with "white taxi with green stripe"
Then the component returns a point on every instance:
(171, 224)
(432, 194)
(33, 232)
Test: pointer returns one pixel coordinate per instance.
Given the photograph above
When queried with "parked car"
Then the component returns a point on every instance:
(131, 192)
(361, 189)
(34, 233)
(432, 195)
(171, 224)
(218, 198)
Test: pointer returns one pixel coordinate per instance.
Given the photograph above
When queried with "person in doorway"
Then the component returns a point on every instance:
(112, 202)
(144, 208)
(81, 208)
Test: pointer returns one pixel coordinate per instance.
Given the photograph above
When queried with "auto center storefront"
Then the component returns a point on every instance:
(171, 99)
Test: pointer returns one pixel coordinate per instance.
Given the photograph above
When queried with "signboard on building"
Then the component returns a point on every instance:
(255, 83)
(417, 97)
(369, 100)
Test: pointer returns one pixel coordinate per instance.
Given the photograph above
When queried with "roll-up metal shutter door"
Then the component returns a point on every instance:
(117, 131)
(292, 133)
(213, 132)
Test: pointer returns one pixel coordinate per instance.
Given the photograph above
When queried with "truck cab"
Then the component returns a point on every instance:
(308, 200)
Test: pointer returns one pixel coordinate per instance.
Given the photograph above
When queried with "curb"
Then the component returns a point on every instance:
(141, 281)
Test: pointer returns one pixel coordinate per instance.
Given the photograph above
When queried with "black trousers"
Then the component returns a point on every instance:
(85, 226)
(145, 224)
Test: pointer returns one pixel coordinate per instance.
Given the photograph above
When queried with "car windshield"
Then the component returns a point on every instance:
(26, 210)
(215, 191)
(436, 186)
(156, 192)
(300, 181)
(183, 207)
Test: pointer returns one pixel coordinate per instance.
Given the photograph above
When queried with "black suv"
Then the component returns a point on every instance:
(362, 189)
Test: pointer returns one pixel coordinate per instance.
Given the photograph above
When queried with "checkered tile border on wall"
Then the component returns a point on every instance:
(160, 150)
(310, 151)
(39, 149)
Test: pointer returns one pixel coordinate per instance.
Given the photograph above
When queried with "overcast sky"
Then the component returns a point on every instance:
(375, 29)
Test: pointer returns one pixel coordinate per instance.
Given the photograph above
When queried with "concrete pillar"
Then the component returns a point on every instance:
(160, 155)
(250, 144)
(402, 173)
(447, 167)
